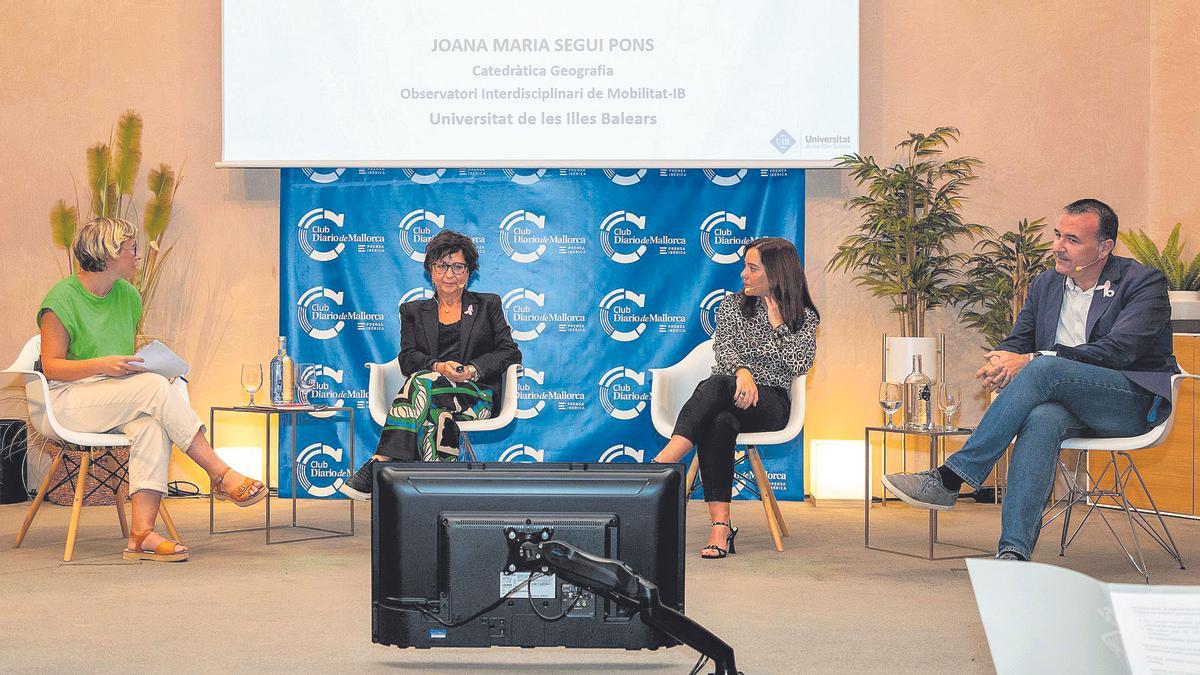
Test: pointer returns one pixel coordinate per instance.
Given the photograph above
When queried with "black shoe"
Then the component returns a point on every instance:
(1010, 555)
(721, 552)
(359, 485)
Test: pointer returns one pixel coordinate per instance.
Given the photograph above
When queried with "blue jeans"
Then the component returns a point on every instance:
(1050, 400)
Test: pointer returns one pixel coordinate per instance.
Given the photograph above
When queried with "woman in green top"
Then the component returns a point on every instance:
(87, 324)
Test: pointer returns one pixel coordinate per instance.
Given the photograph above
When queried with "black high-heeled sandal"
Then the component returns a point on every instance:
(721, 552)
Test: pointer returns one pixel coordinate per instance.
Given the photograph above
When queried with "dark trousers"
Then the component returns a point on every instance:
(712, 422)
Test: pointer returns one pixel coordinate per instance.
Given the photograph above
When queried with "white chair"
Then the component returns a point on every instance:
(92, 447)
(387, 378)
(671, 387)
(1084, 488)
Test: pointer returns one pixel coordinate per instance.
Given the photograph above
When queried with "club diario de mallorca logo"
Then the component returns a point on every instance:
(524, 238)
(625, 177)
(562, 399)
(524, 309)
(720, 238)
(418, 293)
(623, 393)
(329, 390)
(622, 319)
(708, 309)
(525, 392)
(524, 177)
(321, 471)
(622, 454)
(319, 313)
(624, 240)
(416, 229)
(321, 237)
(323, 175)
(522, 453)
(724, 178)
(426, 177)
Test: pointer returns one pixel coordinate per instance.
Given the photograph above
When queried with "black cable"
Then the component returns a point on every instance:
(700, 663)
(485, 610)
(182, 488)
(552, 619)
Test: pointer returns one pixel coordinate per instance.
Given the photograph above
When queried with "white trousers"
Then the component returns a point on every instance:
(145, 407)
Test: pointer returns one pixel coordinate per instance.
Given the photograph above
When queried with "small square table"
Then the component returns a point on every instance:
(278, 413)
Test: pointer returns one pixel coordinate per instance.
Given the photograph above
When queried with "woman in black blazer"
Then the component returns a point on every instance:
(455, 348)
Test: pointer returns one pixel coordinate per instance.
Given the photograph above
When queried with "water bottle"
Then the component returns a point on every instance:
(283, 376)
(918, 413)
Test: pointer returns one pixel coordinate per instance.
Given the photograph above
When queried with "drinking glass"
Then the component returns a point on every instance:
(949, 400)
(308, 380)
(252, 378)
(889, 400)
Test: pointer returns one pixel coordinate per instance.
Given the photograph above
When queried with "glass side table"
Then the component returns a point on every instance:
(935, 436)
(278, 413)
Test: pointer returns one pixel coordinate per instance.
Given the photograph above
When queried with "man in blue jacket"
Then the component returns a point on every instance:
(1089, 355)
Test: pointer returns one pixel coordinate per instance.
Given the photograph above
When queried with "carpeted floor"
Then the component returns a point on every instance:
(825, 605)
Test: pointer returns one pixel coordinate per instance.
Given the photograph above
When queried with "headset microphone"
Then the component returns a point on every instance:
(1080, 268)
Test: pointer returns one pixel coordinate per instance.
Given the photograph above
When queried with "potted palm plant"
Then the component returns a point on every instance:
(112, 170)
(903, 249)
(1183, 276)
(997, 278)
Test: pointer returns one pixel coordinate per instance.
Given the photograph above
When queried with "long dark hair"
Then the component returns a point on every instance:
(788, 285)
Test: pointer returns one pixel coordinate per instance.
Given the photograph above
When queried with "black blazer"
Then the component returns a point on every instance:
(1128, 325)
(486, 338)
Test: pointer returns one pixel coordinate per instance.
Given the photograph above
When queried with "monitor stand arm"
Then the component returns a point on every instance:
(613, 579)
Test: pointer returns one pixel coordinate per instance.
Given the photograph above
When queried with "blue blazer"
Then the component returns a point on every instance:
(1128, 327)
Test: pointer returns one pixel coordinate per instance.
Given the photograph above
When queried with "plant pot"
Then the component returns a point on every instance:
(1185, 305)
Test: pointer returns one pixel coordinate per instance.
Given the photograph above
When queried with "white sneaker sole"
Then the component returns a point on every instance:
(354, 494)
(914, 502)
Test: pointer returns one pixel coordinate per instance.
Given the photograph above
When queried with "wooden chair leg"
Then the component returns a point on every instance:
(693, 469)
(764, 488)
(166, 518)
(120, 499)
(39, 498)
(85, 460)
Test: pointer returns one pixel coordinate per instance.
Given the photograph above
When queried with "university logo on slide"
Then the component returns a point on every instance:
(616, 231)
(622, 454)
(623, 393)
(312, 229)
(617, 309)
(725, 179)
(323, 175)
(524, 177)
(626, 177)
(316, 315)
(321, 471)
(522, 453)
(525, 393)
(519, 308)
(416, 229)
(708, 309)
(720, 239)
(424, 177)
(517, 233)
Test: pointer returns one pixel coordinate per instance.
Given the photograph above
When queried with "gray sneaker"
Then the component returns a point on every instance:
(1010, 555)
(924, 489)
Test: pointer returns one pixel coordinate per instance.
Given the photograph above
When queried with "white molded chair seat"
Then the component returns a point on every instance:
(670, 389)
(386, 379)
(1084, 488)
(41, 416)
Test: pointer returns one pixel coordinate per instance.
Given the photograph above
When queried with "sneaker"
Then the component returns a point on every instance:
(1009, 555)
(924, 490)
(359, 485)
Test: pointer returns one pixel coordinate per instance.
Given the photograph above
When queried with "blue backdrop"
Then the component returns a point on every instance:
(604, 274)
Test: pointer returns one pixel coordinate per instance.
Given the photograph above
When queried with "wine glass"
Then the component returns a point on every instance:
(889, 400)
(949, 400)
(252, 378)
(308, 380)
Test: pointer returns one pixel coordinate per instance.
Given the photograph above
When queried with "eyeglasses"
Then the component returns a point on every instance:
(442, 268)
(133, 248)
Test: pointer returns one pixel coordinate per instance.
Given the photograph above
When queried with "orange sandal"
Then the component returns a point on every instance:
(164, 552)
(241, 494)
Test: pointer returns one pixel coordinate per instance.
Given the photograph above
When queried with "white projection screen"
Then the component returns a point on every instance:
(619, 83)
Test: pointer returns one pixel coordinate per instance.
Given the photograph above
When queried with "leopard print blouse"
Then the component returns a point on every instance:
(773, 355)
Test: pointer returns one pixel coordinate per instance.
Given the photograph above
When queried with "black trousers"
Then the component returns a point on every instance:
(712, 422)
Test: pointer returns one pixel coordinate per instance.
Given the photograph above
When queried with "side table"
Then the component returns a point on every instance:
(935, 436)
(278, 413)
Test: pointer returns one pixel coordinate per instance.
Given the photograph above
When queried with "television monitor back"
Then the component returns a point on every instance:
(439, 549)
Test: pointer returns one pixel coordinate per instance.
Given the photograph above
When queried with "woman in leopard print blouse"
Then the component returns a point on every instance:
(765, 337)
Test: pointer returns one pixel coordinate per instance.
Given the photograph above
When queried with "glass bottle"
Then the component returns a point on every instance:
(918, 413)
(283, 375)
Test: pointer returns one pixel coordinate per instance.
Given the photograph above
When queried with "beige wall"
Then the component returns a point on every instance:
(1061, 100)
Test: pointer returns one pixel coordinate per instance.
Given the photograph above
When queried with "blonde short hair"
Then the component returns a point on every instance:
(99, 242)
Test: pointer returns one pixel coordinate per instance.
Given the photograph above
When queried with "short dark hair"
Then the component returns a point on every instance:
(1108, 217)
(449, 242)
